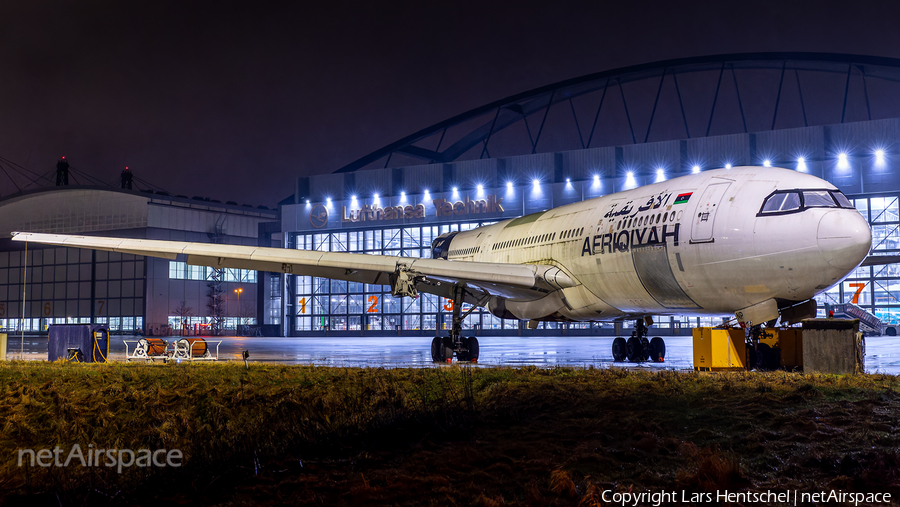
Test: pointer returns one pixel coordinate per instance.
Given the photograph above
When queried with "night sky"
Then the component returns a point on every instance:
(233, 101)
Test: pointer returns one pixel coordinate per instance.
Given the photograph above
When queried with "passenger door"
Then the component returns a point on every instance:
(705, 215)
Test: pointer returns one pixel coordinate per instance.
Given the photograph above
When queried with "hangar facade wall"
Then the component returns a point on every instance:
(130, 293)
(400, 210)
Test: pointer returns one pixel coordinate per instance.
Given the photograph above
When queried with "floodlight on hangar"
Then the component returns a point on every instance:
(629, 180)
(402, 196)
(536, 182)
(801, 164)
(728, 166)
(767, 163)
(695, 169)
(879, 157)
(660, 175)
(328, 201)
(480, 189)
(843, 162)
(509, 187)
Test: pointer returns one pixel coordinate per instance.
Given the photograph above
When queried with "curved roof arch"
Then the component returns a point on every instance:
(703, 96)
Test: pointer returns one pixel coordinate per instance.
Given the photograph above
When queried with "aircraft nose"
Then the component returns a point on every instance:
(844, 238)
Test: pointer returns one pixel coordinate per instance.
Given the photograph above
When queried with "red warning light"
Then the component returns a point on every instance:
(64, 157)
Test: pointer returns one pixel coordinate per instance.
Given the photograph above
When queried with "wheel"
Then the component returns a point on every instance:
(635, 349)
(891, 331)
(448, 349)
(437, 350)
(618, 349)
(645, 344)
(472, 345)
(657, 349)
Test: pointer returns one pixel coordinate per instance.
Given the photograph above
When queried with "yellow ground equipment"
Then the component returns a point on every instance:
(719, 349)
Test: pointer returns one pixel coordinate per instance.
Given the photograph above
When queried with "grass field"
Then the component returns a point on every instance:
(441, 436)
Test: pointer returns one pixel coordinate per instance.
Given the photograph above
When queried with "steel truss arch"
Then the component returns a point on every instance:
(491, 119)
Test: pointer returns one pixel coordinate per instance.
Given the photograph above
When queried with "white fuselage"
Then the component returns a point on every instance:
(647, 252)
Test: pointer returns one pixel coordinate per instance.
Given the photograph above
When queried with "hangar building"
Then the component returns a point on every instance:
(833, 116)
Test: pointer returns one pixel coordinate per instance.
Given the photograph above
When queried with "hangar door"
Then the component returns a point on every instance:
(705, 216)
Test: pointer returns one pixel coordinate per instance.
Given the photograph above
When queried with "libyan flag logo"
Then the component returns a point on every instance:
(683, 198)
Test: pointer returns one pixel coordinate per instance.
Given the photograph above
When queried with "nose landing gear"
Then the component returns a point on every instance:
(638, 348)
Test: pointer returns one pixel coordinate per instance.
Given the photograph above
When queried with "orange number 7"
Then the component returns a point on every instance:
(859, 286)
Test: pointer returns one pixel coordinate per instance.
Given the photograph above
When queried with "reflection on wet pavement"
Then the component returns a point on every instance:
(393, 352)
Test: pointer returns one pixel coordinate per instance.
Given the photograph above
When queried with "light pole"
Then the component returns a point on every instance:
(238, 291)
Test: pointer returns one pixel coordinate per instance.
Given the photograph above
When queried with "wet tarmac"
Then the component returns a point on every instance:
(882, 353)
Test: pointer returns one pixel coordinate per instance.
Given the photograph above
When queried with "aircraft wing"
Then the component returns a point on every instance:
(433, 276)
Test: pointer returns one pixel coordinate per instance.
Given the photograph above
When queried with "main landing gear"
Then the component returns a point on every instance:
(465, 347)
(638, 348)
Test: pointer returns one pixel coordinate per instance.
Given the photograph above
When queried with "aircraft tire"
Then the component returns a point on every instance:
(657, 349)
(472, 345)
(635, 349)
(436, 350)
(645, 344)
(619, 350)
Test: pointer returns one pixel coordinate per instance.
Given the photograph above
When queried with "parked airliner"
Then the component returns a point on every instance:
(753, 242)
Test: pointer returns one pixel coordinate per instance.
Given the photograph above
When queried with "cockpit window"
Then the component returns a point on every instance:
(817, 198)
(841, 199)
(793, 201)
(781, 202)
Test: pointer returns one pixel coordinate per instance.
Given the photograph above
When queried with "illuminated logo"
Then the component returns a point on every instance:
(318, 216)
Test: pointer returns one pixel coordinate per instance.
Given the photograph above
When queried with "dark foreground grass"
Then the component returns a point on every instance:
(442, 436)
